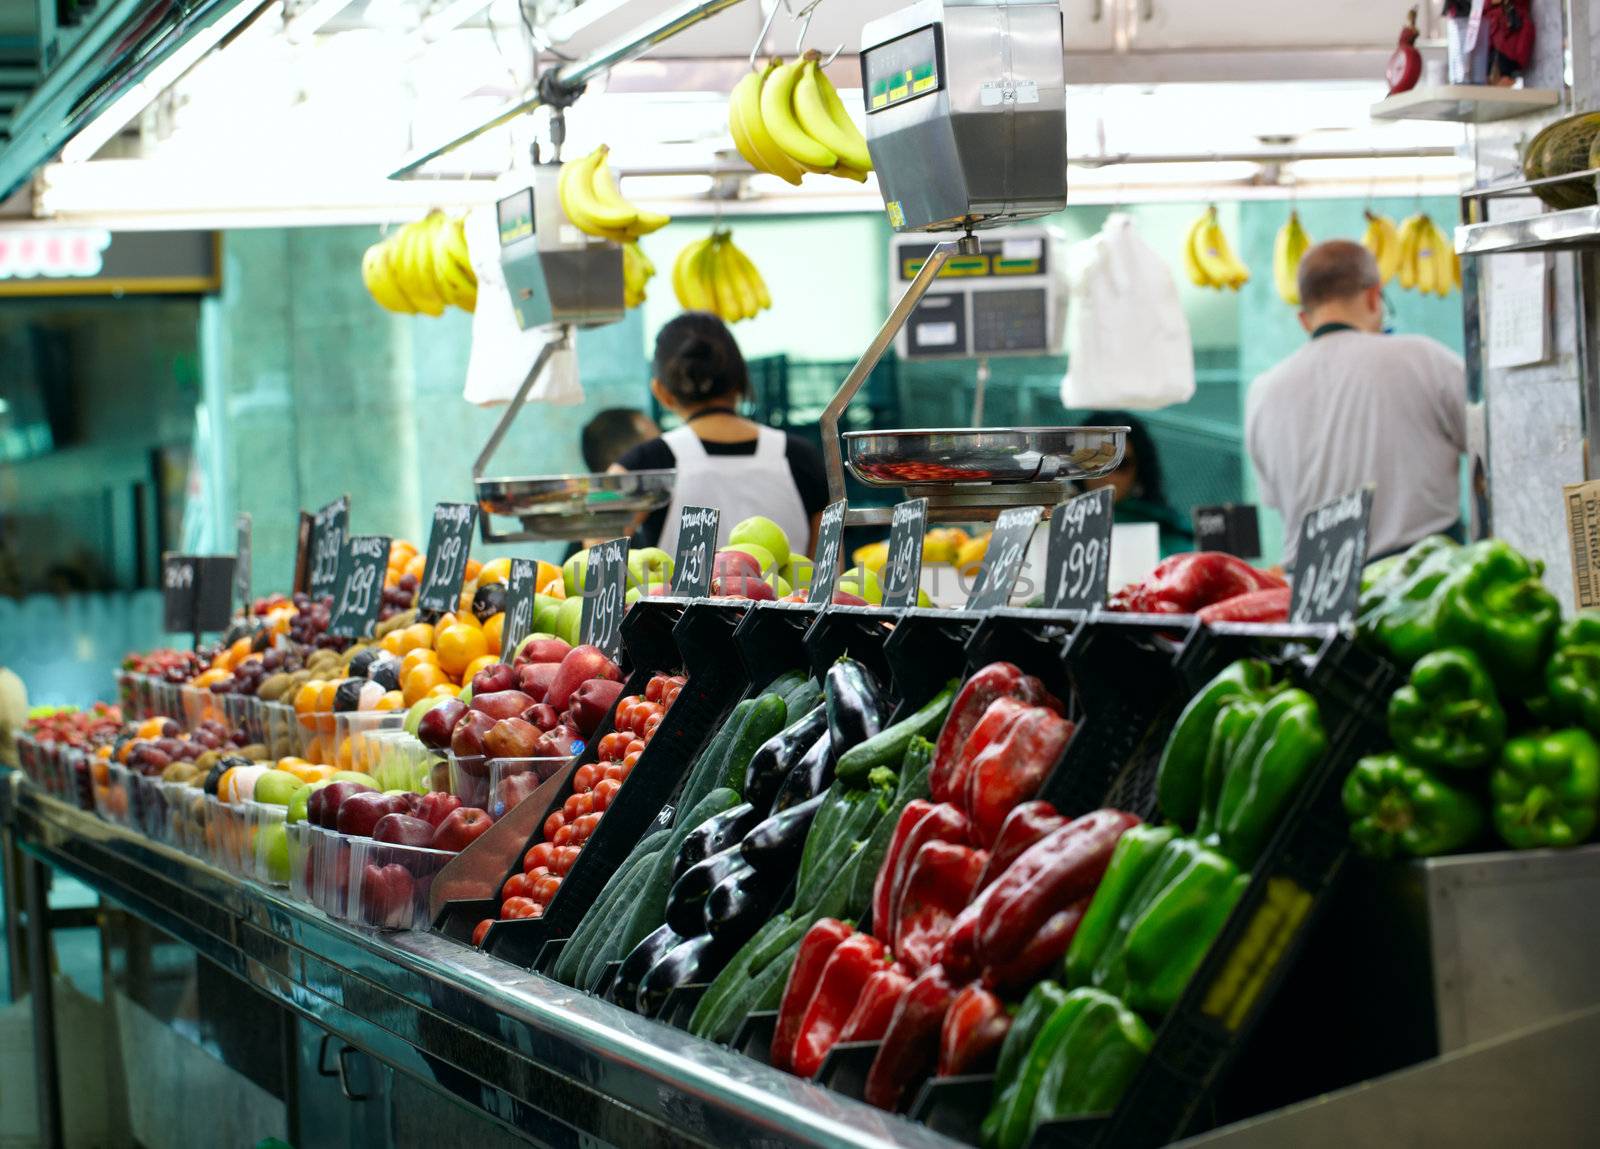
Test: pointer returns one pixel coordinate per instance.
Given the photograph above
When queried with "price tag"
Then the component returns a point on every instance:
(302, 553)
(358, 595)
(180, 593)
(214, 603)
(903, 572)
(605, 581)
(1078, 563)
(518, 607)
(830, 545)
(1002, 562)
(1233, 528)
(328, 530)
(449, 545)
(241, 554)
(697, 545)
(1329, 558)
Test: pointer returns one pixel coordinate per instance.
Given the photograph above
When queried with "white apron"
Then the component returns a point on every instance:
(737, 485)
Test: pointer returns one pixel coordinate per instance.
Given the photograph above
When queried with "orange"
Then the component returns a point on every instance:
(417, 636)
(414, 659)
(315, 752)
(476, 665)
(392, 700)
(420, 681)
(325, 696)
(495, 570)
(150, 728)
(461, 617)
(225, 785)
(473, 567)
(445, 690)
(393, 642)
(457, 646)
(417, 566)
(401, 551)
(543, 572)
(205, 678)
(555, 587)
(492, 627)
(468, 593)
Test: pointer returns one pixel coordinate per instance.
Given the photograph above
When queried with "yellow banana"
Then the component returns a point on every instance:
(1410, 234)
(1191, 260)
(416, 261)
(777, 112)
(458, 285)
(1382, 239)
(1287, 250)
(827, 121)
(767, 155)
(380, 284)
(688, 277)
(1444, 254)
(646, 222)
(1427, 265)
(597, 195)
(1214, 256)
(742, 276)
(753, 277)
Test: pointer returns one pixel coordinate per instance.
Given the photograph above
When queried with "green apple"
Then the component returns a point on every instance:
(272, 848)
(354, 776)
(923, 598)
(523, 645)
(414, 715)
(546, 609)
(761, 554)
(764, 533)
(798, 570)
(780, 585)
(297, 804)
(632, 595)
(862, 582)
(466, 694)
(277, 787)
(649, 566)
(570, 621)
(573, 573)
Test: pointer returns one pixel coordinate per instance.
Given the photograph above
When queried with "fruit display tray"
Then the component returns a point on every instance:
(988, 455)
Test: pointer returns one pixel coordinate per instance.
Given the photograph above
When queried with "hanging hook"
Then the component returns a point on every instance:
(766, 27)
(804, 17)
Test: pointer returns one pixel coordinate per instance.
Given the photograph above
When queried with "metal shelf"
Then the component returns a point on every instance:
(1465, 103)
(1551, 231)
(557, 1064)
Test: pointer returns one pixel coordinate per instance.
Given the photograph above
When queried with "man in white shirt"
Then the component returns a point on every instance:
(1355, 406)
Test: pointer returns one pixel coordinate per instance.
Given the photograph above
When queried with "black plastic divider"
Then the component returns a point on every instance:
(926, 650)
(1205, 1032)
(608, 974)
(753, 1038)
(857, 632)
(660, 635)
(844, 1069)
(680, 1005)
(954, 1106)
(1033, 640)
(770, 640)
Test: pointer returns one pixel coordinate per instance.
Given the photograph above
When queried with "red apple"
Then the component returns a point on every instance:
(359, 814)
(534, 678)
(511, 738)
(730, 564)
(742, 586)
(543, 650)
(434, 728)
(502, 704)
(403, 830)
(556, 743)
(388, 896)
(845, 598)
(581, 664)
(322, 808)
(590, 703)
(466, 741)
(462, 828)
(542, 715)
(658, 590)
(493, 679)
(436, 807)
(513, 790)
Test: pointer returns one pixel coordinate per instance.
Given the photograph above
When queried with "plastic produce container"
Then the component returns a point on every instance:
(278, 728)
(513, 779)
(469, 779)
(151, 805)
(178, 799)
(330, 864)
(302, 839)
(266, 843)
(353, 746)
(112, 800)
(198, 705)
(400, 762)
(389, 884)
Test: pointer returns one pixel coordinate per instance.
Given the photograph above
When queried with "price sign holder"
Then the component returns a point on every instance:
(518, 607)
(902, 574)
(1002, 562)
(1328, 560)
(830, 548)
(302, 553)
(328, 530)
(358, 595)
(241, 554)
(1078, 563)
(196, 593)
(697, 546)
(449, 545)
(1233, 528)
(605, 581)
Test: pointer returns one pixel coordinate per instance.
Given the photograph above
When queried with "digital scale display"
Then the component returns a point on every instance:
(515, 213)
(902, 69)
(996, 258)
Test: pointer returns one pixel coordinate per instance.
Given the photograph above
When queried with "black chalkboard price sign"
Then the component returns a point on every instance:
(1078, 563)
(358, 594)
(1002, 562)
(697, 545)
(1233, 528)
(1328, 560)
(241, 554)
(830, 553)
(518, 607)
(902, 574)
(328, 529)
(449, 546)
(605, 582)
(196, 593)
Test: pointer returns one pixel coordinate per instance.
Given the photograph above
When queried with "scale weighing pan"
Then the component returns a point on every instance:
(557, 507)
(983, 455)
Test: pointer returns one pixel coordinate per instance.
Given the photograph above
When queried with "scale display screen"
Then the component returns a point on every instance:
(515, 213)
(996, 258)
(902, 69)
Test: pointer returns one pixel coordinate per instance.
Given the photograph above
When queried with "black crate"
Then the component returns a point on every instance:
(845, 1068)
(770, 640)
(857, 632)
(927, 648)
(680, 1005)
(954, 1106)
(1032, 639)
(754, 1036)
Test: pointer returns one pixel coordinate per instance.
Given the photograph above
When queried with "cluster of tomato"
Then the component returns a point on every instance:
(594, 785)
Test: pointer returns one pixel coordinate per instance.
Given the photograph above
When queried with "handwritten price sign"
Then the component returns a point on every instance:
(1078, 563)
(903, 572)
(358, 596)
(328, 529)
(605, 584)
(830, 547)
(518, 607)
(697, 544)
(449, 547)
(1002, 562)
(1328, 561)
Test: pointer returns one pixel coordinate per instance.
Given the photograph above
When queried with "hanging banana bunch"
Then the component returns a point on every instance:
(1382, 239)
(1287, 251)
(422, 268)
(711, 274)
(1427, 260)
(1209, 259)
(787, 120)
(637, 270)
(589, 196)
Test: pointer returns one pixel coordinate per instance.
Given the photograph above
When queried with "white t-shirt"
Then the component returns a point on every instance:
(1349, 409)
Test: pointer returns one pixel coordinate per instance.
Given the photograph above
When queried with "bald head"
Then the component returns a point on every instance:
(1339, 282)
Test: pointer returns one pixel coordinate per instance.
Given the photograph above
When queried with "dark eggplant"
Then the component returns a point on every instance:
(741, 904)
(686, 903)
(774, 845)
(857, 708)
(625, 986)
(777, 755)
(810, 776)
(713, 836)
(696, 960)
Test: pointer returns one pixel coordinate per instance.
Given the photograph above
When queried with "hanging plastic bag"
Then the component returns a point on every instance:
(1129, 340)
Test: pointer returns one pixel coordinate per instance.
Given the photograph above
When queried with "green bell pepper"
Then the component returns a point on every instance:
(1135, 852)
(1546, 790)
(1041, 1004)
(1448, 714)
(1572, 677)
(1396, 606)
(1181, 775)
(1399, 809)
(1233, 723)
(1494, 603)
(1272, 761)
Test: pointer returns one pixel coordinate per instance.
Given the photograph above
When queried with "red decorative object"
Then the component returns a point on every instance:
(1405, 66)
(1510, 25)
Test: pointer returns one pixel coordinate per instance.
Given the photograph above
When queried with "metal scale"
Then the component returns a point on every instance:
(966, 122)
(560, 279)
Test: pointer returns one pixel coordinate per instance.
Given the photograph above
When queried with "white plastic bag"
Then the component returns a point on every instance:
(1129, 338)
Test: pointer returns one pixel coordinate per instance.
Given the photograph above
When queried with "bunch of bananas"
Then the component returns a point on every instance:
(637, 270)
(1420, 254)
(787, 120)
(422, 268)
(1287, 251)
(592, 202)
(1208, 258)
(1382, 239)
(711, 274)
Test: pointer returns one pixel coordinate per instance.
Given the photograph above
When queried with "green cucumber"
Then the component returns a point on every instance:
(766, 718)
(650, 907)
(888, 746)
(804, 698)
(727, 998)
(605, 942)
(707, 768)
(596, 922)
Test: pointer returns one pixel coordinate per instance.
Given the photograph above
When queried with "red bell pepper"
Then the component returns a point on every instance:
(941, 822)
(869, 1021)
(997, 680)
(910, 1049)
(1009, 769)
(1185, 583)
(1025, 825)
(816, 948)
(1271, 605)
(849, 967)
(1048, 877)
(1019, 971)
(939, 883)
(974, 1028)
(884, 886)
